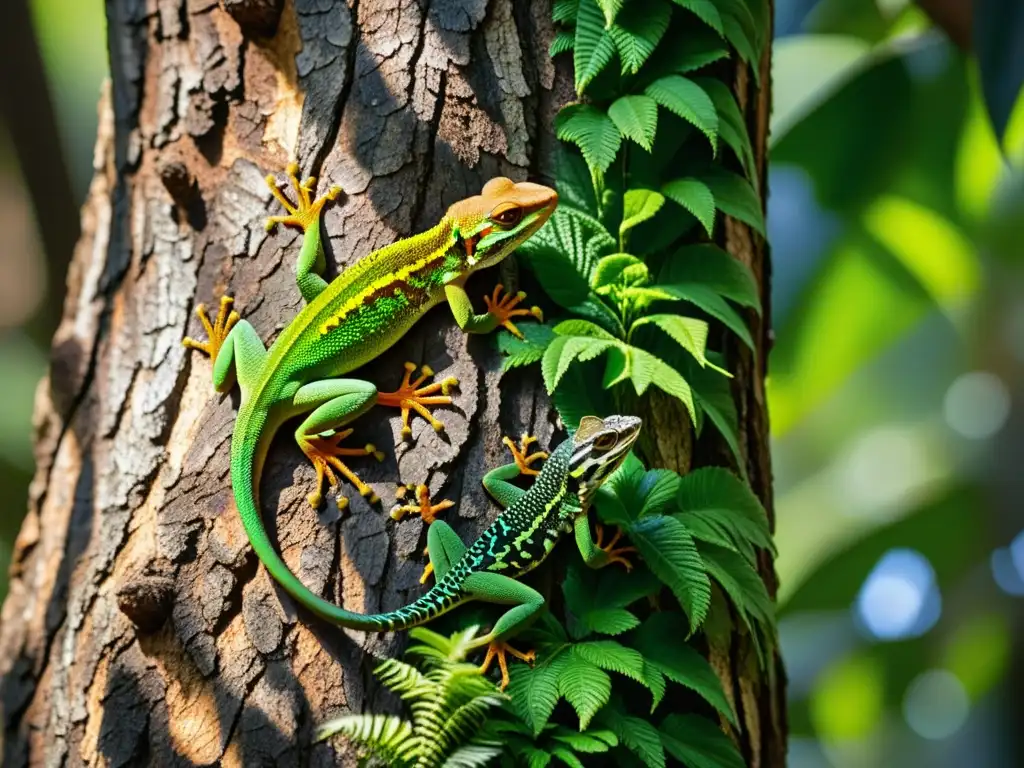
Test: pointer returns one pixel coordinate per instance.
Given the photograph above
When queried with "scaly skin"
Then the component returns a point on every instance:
(346, 324)
(517, 542)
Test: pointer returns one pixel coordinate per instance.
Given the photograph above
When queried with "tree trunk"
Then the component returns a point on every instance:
(139, 628)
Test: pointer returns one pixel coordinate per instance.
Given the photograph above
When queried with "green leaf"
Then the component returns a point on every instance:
(590, 742)
(689, 101)
(594, 46)
(534, 691)
(577, 327)
(660, 491)
(574, 184)
(706, 11)
(687, 332)
(716, 496)
(639, 737)
(737, 19)
(668, 549)
(741, 40)
(639, 205)
(613, 657)
(731, 125)
(609, 621)
(385, 735)
(698, 48)
(564, 41)
(658, 641)
(586, 687)
(592, 131)
(699, 743)
(564, 351)
(564, 11)
(636, 117)
(610, 8)
(567, 757)
(576, 397)
(695, 196)
(638, 31)
(621, 269)
(527, 350)
(713, 395)
(646, 368)
(735, 197)
(708, 266)
(654, 681)
(709, 301)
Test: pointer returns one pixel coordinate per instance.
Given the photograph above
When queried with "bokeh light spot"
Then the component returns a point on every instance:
(936, 705)
(899, 598)
(849, 699)
(977, 404)
(1005, 573)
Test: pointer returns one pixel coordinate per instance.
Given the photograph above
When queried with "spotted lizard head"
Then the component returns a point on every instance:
(599, 448)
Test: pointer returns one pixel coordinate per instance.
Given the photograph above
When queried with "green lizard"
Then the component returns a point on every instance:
(349, 322)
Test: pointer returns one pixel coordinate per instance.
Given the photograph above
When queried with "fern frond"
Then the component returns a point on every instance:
(706, 11)
(586, 687)
(689, 101)
(565, 40)
(384, 736)
(669, 551)
(695, 196)
(638, 30)
(592, 131)
(594, 47)
(636, 117)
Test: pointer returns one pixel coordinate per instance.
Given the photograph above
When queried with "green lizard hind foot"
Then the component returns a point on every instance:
(520, 453)
(615, 555)
(305, 213)
(412, 396)
(497, 650)
(425, 508)
(504, 308)
(325, 454)
(217, 330)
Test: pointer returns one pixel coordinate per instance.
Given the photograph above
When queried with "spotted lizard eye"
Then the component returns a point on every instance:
(507, 216)
(604, 442)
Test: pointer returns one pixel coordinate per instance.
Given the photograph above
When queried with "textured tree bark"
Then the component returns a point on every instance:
(139, 628)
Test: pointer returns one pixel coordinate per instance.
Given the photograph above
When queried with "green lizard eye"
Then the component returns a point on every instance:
(507, 215)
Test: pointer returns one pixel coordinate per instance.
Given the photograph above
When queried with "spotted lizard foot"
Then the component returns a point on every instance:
(615, 555)
(305, 213)
(522, 459)
(324, 452)
(216, 331)
(412, 396)
(504, 307)
(497, 650)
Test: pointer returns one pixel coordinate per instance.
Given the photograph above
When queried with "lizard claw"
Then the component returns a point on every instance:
(325, 454)
(412, 396)
(305, 212)
(497, 650)
(216, 331)
(504, 307)
(426, 509)
(615, 555)
(519, 454)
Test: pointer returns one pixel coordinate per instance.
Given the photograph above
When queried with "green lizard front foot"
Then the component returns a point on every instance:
(615, 555)
(519, 452)
(504, 308)
(426, 509)
(325, 455)
(306, 212)
(216, 331)
(411, 396)
(497, 650)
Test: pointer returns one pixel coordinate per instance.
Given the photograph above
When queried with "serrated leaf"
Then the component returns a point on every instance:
(610, 621)
(660, 491)
(610, 8)
(685, 98)
(636, 117)
(573, 183)
(527, 350)
(592, 131)
(709, 266)
(654, 681)
(567, 757)
(742, 31)
(645, 368)
(741, 41)
(699, 743)
(638, 206)
(705, 10)
(613, 657)
(713, 395)
(689, 333)
(731, 126)
(559, 356)
(717, 496)
(534, 691)
(668, 549)
(564, 11)
(735, 197)
(709, 301)
(695, 196)
(565, 40)
(657, 640)
(594, 46)
(698, 48)
(577, 327)
(586, 687)
(622, 269)
(590, 742)
(638, 31)
(564, 252)
(576, 397)
(639, 737)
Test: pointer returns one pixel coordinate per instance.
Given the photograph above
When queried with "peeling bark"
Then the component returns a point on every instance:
(139, 628)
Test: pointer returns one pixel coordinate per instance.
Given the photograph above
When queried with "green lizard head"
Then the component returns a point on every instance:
(599, 447)
(494, 223)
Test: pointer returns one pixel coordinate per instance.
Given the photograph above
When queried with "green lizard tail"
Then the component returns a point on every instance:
(248, 445)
